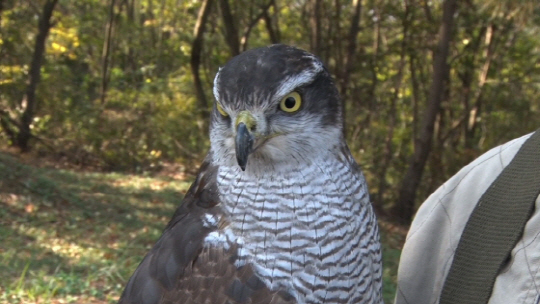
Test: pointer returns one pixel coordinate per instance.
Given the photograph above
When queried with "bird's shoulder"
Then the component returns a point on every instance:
(182, 268)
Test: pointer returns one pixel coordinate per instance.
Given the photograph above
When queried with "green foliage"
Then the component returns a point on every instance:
(135, 130)
(149, 114)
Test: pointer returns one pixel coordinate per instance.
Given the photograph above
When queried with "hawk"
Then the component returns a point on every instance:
(279, 211)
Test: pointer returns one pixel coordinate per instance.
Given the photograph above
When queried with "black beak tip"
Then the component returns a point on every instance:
(242, 162)
(244, 143)
(241, 159)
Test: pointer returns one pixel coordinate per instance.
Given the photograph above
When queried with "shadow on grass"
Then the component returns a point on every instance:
(77, 234)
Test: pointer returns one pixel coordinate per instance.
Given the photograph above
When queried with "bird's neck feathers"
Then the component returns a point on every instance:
(278, 155)
(333, 172)
(272, 164)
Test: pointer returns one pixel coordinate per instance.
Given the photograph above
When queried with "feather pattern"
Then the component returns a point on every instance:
(309, 230)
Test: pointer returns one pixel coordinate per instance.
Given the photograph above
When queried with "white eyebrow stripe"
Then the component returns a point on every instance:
(216, 90)
(292, 82)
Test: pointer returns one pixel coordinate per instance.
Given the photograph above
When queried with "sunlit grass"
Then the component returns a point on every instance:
(76, 237)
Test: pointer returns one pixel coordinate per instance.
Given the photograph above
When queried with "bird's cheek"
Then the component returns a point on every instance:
(275, 148)
(229, 143)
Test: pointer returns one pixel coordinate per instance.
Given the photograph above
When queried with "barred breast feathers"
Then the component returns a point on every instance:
(309, 229)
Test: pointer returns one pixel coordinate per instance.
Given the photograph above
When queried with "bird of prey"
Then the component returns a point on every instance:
(279, 211)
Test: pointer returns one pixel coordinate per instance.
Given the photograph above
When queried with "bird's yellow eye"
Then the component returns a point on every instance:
(291, 103)
(221, 110)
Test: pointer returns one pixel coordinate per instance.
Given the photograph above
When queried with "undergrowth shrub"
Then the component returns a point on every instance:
(136, 129)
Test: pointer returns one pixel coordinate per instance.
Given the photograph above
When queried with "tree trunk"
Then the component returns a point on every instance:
(105, 55)
(1, 10)
(231, 32)
(28, 103)
(196, 50)
(477, 107)
(403, 209)
(348, 66)
(252, 23)
(315, 26)
(415, 91)
(337, 42)
(388, 147)
(466, 78)
(159, 60)
(272, 24)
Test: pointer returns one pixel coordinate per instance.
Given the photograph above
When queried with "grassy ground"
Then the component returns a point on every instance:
(68, 236)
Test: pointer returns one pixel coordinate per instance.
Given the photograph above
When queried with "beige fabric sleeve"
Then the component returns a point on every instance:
(435, 232)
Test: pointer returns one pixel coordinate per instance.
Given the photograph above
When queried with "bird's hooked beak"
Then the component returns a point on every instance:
(245, 125)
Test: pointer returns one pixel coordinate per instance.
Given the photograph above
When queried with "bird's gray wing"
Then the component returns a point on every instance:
(180, 269)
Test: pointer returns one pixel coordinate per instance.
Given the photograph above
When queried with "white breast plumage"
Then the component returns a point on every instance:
(310, 230)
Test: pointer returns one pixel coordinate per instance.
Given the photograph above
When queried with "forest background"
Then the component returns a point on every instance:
(96, 95)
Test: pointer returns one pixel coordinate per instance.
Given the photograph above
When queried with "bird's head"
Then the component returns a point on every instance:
(274, 106)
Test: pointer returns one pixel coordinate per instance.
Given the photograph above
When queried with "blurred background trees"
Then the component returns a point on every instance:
(126, 84)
